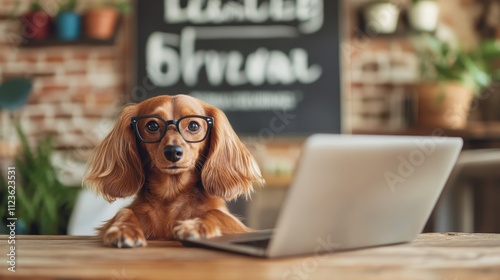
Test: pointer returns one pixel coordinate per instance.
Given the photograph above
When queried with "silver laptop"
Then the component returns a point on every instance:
(353, 191)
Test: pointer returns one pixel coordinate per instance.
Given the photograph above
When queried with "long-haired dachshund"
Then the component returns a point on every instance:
(182, 160)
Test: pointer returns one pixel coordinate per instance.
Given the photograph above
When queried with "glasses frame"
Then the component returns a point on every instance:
(135, 120)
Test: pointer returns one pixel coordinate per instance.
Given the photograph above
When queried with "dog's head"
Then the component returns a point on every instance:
(176, 139)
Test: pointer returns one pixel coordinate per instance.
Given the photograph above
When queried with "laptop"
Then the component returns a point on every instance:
(350, 192)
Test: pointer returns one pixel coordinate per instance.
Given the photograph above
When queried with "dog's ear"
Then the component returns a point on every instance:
(115, 168)
(229, 170)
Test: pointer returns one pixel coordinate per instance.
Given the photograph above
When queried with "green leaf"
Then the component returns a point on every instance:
(40, 196)
(36, 6)
(442, 62)
(3, 199)
(489, 49)
(68, 6)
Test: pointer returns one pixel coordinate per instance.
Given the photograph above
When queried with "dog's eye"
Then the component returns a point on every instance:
(152, 126)
(193, 126)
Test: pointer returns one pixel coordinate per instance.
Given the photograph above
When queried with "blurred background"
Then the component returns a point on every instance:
(402, 67)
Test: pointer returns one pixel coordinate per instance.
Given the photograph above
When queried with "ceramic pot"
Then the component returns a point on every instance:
(100, 23)
(68, 26)
(443, 105)
(35, 25)
(424, 15)
(381, 17)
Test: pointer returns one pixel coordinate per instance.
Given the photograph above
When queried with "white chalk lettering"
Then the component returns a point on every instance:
(309, 13)
(170, 58)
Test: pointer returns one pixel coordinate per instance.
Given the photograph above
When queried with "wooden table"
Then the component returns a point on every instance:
(448, 256)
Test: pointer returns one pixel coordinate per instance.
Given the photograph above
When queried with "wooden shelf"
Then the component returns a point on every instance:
(403, 30)
(58, 42)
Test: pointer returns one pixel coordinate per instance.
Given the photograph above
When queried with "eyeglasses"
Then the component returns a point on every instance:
(152, 128)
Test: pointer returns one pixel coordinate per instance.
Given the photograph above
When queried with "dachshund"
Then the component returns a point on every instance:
(182, 160)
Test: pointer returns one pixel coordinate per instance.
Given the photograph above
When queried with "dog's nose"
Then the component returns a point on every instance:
(173, 153)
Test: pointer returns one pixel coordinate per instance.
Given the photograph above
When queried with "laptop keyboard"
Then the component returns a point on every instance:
(262, 243)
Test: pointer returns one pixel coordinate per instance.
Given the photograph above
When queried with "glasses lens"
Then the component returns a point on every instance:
(151, 129)
(193, 128)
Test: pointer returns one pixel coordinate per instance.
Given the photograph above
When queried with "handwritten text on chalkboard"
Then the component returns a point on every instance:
(172, 57)
(251, 58)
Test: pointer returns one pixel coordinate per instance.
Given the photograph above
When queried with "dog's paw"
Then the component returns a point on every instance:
(124, 236)
(195, 228)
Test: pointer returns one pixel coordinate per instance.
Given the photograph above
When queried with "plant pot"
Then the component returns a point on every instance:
(100, 23)
(445, 105)
(35, 25)
(68, 26)
(381, 17)
(424, 15)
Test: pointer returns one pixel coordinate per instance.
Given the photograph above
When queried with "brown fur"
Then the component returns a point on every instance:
(171, 204)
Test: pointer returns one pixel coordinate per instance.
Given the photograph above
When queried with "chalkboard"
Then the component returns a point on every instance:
(271, 65)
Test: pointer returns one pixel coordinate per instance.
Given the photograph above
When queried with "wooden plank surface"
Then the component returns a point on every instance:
(451, 256)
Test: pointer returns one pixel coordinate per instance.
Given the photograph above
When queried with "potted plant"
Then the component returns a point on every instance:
(423, 15)
(451, 76)
(68, 21)
(43, 202)
(100, 21)
(35, 23)
(381, 16)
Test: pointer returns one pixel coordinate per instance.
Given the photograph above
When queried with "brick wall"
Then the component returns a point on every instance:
(77, 89)
(381, 75)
